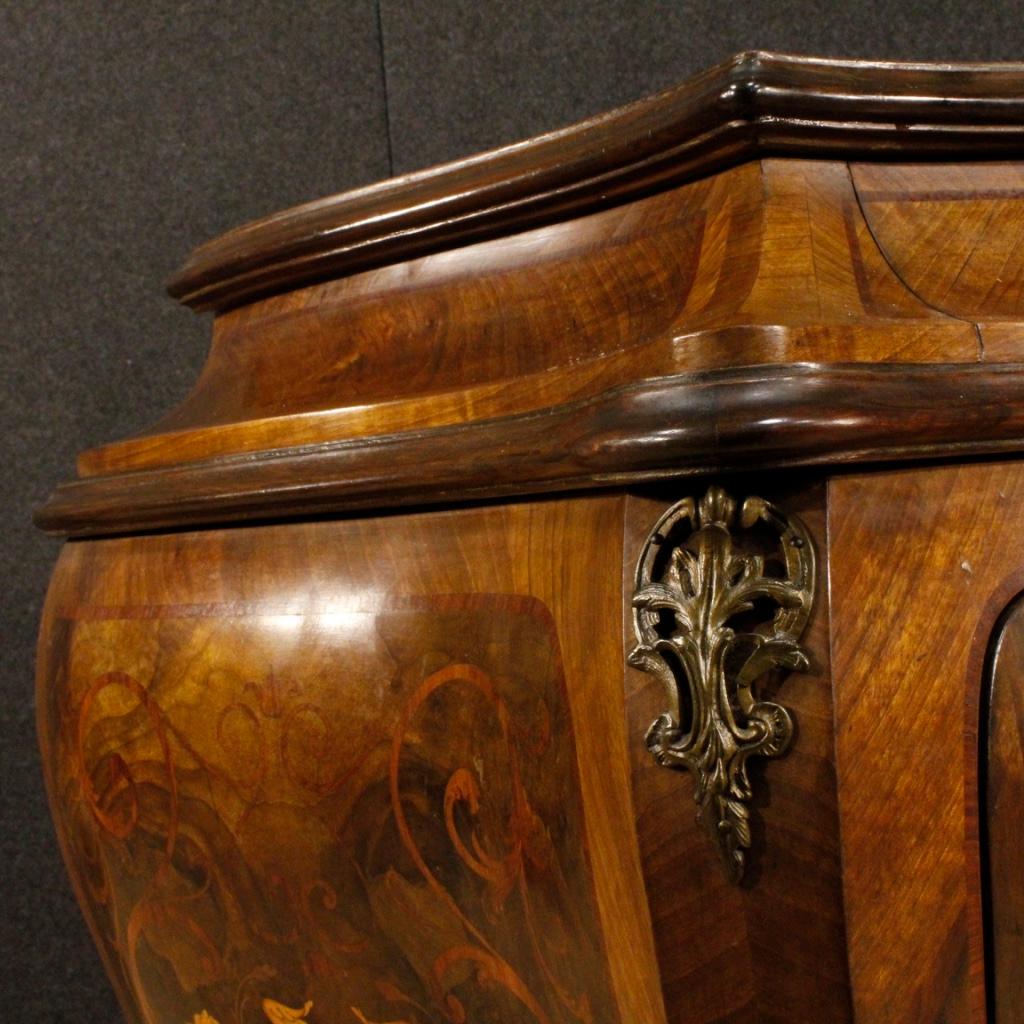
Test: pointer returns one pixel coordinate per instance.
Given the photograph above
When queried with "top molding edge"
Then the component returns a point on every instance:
(752, 105)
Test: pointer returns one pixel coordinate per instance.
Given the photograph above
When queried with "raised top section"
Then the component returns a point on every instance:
(631, 300)
(752, 105)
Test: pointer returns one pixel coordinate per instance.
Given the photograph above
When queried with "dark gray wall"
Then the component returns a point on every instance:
(133, 131)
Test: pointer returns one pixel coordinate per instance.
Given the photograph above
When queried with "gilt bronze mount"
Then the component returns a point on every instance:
(718, 606)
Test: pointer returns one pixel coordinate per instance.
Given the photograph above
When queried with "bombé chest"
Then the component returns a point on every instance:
(582, 585)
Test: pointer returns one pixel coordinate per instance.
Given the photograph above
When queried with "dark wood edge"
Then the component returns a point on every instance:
(751, 105)
(714, 421)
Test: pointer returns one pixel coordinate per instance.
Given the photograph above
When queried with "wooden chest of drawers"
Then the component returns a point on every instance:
(582, 585)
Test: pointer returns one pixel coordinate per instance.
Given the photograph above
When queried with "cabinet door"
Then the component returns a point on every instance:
(1003, 796)
(922, 565)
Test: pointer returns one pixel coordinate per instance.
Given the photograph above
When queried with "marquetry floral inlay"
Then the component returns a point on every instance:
(276, 1013)
(381, 810)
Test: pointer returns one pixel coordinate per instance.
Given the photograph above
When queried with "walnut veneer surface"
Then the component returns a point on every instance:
(348, 672)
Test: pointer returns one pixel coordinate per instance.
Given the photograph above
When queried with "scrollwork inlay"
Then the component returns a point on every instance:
(718, 606)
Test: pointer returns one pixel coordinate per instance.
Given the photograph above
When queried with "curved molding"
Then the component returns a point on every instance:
(749, 106)
(720, 420)
(1000, 791)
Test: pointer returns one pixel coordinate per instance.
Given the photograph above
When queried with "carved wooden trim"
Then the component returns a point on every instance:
(751, 105)
(669, 427)
(715, 612)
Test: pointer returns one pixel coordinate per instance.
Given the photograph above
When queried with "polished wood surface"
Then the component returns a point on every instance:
(817, 415)
(951, 233)
(592, 332)
(1002, 764)
(922, 563)
(748, 106)
(377, 765)
(769, 263)
(774, 950)
(333, 687)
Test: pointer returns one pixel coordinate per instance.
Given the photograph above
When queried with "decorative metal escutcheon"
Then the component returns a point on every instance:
(719, 605)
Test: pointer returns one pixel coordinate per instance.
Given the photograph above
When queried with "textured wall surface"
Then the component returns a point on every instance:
(132, 132)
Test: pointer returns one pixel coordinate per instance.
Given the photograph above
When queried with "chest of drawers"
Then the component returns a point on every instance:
(582, 585)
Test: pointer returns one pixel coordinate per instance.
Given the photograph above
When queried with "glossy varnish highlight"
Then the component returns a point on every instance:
(382, 759)
(922, 564)
(359, 764)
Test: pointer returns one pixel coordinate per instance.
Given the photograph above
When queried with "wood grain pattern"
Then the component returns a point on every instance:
(772, 951)
(750, 105)
(952, 233)
(922, 563)
(1003, 797)
(399, 385)
(719, 421)
(391, 768)
(354, 764)
(771, 262)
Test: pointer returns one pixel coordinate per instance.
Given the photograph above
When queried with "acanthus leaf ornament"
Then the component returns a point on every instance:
(716, 609)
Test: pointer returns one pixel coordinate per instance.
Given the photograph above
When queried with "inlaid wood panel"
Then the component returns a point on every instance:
(773, 950)
(952, 232)
(358, 771)
(387, 770)
(1003, 795)
(922, 563)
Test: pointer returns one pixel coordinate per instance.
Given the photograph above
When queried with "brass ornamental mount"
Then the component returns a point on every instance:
(718, 606)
